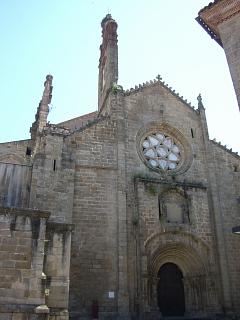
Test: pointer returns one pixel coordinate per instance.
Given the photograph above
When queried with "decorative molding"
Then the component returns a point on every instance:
(153, 83)
(171, 183)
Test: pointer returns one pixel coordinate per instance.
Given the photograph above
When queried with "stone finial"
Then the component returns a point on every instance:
(158, 77)
(49, 77)
(109, 29)
(200, 104)
(106, 19)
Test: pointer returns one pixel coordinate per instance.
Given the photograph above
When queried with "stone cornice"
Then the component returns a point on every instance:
(24, 212)
(215, 13)
(59, 227)
(172, 183)
(15, 307)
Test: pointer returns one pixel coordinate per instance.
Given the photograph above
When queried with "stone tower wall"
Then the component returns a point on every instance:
(229, 32)
(94, 261)
(52, 177)
(227, 172)
(221, 19)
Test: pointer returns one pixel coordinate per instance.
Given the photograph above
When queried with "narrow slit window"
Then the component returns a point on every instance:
(192, 133)
(159, 209)
(54, 165)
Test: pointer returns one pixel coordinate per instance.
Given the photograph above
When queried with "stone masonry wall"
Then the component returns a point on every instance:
(156, 105)
(52, 177)
(21, 262)
(15, 173)
(227, 170)
(194, 235)
(94, 246)
(229, 33)
(56, 268)
(76, 123)
(15, 181)
(14, 152)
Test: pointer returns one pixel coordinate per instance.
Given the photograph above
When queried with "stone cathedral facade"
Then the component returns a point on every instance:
(126, 212)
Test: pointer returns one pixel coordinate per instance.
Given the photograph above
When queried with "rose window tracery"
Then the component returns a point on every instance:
(161, 151)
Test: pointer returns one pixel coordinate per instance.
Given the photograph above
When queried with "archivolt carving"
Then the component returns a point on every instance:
(184, 257)
(192, 256)
(187, 251)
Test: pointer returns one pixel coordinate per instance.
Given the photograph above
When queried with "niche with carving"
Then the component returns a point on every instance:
(174, 207)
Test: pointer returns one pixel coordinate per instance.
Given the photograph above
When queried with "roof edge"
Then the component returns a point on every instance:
(224, 147)
(153, 83)
(209, 30)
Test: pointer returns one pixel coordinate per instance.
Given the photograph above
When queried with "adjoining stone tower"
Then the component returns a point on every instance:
(221, 19)
(108, 62)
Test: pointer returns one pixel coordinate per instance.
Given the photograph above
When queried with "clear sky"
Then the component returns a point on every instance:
(62, 37)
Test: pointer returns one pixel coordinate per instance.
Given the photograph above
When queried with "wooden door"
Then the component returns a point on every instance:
(171, 299)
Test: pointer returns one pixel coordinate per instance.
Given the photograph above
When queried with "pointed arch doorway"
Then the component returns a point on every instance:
(170, 290)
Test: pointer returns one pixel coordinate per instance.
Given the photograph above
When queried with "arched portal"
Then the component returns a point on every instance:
(170, 290)
(190, 259)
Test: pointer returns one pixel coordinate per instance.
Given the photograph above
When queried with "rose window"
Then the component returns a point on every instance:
(160, 151)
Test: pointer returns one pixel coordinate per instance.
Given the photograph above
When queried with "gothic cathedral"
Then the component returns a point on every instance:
(126, 212)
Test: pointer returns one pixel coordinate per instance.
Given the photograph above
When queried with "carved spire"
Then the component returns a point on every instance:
(43, 107)
(108, 62)
(47, 93)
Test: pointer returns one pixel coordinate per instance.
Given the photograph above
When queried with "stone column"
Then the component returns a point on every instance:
(56, 268)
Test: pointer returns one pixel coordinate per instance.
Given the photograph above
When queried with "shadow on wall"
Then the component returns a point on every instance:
(14, 185)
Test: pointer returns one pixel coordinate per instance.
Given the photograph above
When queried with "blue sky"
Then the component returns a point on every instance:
(62, 37)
